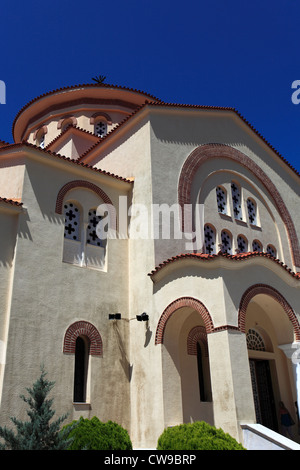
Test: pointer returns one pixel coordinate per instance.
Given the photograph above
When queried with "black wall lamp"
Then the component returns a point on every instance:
(114, 316)
(143, 317)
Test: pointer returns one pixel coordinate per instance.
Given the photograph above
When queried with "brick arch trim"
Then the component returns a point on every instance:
(175, 305)
(91, 186)
(83, 328)
(268, 290)
(198, 333)
(97, 115)
(208, 151)
(71, 118)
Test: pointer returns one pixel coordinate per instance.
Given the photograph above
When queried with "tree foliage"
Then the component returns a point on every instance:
(196, 436)
(39, 432)
(93, 434)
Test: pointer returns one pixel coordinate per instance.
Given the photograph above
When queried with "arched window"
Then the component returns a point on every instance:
(200, 373)
(236, 201)
(91, 235)
(81, 369)
(72, 221)
(39, 136)
(226, 242)
(271, 250)
(221, 199)
(65, 122)
(257, 246)
(210, 239)
(252, 211)
(101, 128)
(255, 340)
(41, 140)
(242, 244)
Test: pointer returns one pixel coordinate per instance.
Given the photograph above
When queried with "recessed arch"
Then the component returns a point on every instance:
(175, 305)
(83, 328)
(268, 290)
(208, 151)
(198, 333)
(91, 186)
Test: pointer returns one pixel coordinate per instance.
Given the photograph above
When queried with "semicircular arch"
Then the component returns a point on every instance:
(257, 289)
(208, 151)
(83, 328)
(175, 305)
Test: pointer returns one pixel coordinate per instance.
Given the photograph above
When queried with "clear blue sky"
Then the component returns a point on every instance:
(222, 53)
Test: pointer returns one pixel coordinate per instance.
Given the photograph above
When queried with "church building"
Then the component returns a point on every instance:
(149, 259)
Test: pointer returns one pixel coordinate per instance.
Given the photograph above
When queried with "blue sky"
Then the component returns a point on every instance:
(220, 53)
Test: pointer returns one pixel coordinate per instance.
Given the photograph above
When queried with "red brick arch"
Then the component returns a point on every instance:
(83, 328)
(208, 151)
(179, 303)
(92, 187)
(198, 333)
(268, 290)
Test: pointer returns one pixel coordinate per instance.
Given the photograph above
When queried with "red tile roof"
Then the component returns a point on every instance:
(61, 157)
(84, 85)
(189, 106)
(11, 201)
(237, 257)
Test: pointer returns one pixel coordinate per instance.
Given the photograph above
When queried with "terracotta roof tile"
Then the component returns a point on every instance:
(13, 202)
(191, 106)
(237, 257)
(61, 157)
(84, 85)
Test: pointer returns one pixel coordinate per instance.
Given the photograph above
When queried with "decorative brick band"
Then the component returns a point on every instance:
(198, 333)
(208, 151)
(83, 328)
(86, 184)
(268, 290)
(179, 303)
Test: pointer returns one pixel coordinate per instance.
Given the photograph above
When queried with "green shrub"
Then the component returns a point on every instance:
(93, 434)
(196, 436)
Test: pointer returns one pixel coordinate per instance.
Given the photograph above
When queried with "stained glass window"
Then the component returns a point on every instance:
(100, 129)
(72, 221)
(271, 250)
(251, 206)
(91, 236)
(256, 246)
(242, 244)
(221, 200)
(210, 239)
(236, 201)
(226, 242)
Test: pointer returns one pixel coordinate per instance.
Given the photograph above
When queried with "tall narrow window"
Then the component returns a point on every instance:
(80, 372)
(226, 242)
(252, 211)
(72, 221)
(242, 244)
(221, 200)
(91, 236)
(236, 201)
(200, 373)
(101, 129)
(210, 239)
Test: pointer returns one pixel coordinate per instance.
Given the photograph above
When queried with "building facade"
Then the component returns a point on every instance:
(150, 260)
